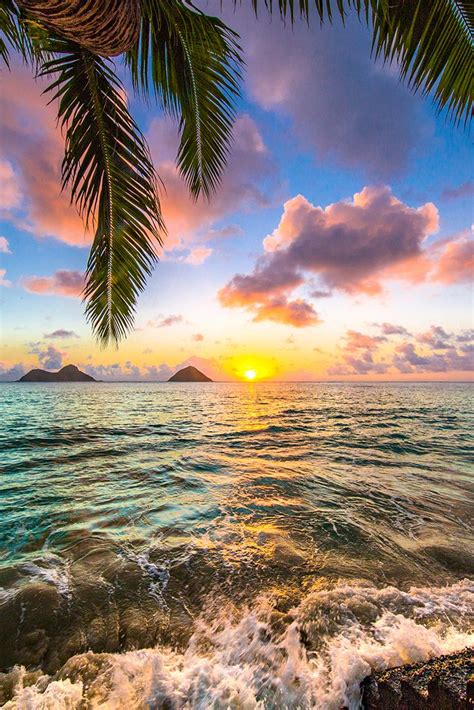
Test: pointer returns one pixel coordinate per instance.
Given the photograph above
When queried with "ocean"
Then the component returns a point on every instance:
(230, 545)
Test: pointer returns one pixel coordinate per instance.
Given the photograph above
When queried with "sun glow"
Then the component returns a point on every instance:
(250, 374)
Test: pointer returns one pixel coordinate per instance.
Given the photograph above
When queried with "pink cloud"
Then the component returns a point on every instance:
(456, 261)
(298, 313)
(166, 322)
(3, 281)
(4, 245)
(436, 337)
(434, 351)
(356, 340)
(466, 189)
(392, 329)
(323, 79)
(349, 246)
(61, 283)
(198, 256)
(10, 193)
(249, 163)
(34, 148)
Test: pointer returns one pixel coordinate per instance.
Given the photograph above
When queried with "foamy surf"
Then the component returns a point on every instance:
(314, 656)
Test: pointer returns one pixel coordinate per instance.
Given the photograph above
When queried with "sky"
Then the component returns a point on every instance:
(338, 247)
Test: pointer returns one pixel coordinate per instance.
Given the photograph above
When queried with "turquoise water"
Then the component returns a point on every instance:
(290, 535)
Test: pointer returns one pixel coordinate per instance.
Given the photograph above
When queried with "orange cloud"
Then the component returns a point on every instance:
(298, 313)
(188, 220)
(34, 149)
(61, 283)
(356, 340)
(456, 261)
(10, 193)
(350, 246)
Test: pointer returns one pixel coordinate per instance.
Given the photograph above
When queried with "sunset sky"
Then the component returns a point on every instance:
(339, 246)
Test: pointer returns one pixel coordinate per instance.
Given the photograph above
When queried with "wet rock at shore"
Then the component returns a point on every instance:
(443, 683)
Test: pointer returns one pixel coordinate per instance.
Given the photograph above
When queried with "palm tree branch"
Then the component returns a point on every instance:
(433, 45)
(191, 62)
(430, 40)
(108, 168)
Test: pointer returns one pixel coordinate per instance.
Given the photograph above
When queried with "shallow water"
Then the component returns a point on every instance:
(231, 545)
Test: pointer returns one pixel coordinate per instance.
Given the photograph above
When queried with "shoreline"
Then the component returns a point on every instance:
(444, 682)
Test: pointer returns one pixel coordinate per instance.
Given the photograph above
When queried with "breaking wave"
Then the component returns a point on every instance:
(313, 655)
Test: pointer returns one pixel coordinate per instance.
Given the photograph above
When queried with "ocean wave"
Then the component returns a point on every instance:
(311, 656)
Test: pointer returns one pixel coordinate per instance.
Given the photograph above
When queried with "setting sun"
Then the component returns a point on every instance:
(250, 374)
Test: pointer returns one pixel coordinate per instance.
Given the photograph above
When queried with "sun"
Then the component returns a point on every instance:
(250, 374)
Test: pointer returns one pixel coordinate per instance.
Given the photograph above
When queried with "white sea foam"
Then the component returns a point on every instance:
(52, 569)
(246, 665)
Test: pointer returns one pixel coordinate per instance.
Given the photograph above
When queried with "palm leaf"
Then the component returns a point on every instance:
(191, 62)
(431, 40)
(108, 168)
(433, 44)
(19, 34)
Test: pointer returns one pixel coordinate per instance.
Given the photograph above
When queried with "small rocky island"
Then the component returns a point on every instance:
(69, 373)
(189, 374)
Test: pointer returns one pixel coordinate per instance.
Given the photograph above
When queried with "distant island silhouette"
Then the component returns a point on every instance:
(69, 373)
(189, 374)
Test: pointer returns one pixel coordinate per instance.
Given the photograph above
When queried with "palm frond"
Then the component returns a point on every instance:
(22, 34)
(191, 62)
(108, 168)
(431, 40)
(433, 44)
(293, 9)
(12, 35)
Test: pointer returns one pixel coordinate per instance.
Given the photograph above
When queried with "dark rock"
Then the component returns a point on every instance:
(442, 683)
(69, 373)
(189, 374)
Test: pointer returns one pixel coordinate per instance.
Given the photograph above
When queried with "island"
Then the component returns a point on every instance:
(69, 373)
(189, 374)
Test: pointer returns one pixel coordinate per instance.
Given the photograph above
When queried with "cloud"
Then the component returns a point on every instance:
(436, 337)
(392, 329)
(114, 372)
(455, 263)
(317, 293)
(61, 283)
(11, 373)
(49, 357)
(154, 373)
(298, 313)
(62, 334)
(33, 148)
(408, 360)
(4, 246)
(3, 281)
(263, 294)
(362, 364)
(323, 79)
(247, 184)
(433, 351)
(198, 255)
(166, 322)
(356, 340)
(349, 246)
(195, 257)
(466, 189)
(10, 193)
